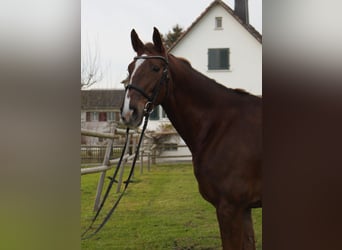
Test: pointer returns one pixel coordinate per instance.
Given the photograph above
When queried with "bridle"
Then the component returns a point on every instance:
(151, 100)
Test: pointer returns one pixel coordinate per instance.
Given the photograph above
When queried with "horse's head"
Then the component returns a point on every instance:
(146, 85)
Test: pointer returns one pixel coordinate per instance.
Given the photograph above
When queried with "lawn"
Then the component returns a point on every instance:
(162, 209)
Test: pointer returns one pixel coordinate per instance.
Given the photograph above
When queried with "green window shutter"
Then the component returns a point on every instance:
(218, 59)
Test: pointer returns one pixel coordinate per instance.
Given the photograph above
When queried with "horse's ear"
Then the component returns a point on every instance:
(137, 44)
(158, 43)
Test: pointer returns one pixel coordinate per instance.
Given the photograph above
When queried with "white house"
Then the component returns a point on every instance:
(222, 45)
(100, 108)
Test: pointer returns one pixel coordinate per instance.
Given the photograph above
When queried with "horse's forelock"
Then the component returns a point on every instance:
(150, 48)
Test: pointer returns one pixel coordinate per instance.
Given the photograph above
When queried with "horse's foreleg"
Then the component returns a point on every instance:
(231, 222)
(249, 242)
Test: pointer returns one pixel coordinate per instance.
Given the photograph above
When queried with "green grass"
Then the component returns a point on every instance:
(161, 209)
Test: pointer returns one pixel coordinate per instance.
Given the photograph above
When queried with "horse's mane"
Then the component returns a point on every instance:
(241, 91)
(185, 61)
(150, 48)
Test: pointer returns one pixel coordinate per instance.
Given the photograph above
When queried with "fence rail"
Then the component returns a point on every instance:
(92, 170)
(118, 132)
(95, 154)
(109, 155)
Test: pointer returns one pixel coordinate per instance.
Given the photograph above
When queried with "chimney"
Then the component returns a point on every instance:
(241, 10)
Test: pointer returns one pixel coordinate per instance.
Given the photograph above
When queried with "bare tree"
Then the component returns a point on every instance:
(91, 72)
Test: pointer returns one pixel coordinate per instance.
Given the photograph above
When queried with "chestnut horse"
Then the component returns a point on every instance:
(221, 126)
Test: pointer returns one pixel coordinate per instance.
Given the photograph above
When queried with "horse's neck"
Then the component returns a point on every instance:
(187, 104)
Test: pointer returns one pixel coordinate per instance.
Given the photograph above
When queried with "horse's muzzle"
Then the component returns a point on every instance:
(131, 118)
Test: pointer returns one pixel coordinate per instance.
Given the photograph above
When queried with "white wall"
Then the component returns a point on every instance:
(245, 58)
(245, 51)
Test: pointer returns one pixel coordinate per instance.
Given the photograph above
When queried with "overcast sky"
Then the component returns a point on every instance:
(106, 25)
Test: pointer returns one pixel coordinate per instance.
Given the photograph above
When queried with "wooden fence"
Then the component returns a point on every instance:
(107, 163)
(95, 154)
(109, 156)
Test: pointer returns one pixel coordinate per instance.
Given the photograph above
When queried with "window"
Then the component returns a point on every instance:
(218, 59)
(218, 22)
(158, 113)
(110, 116)
(95, 116)
(155, 114)
(92, 116)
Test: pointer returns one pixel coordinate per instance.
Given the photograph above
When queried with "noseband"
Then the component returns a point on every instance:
(152, 99)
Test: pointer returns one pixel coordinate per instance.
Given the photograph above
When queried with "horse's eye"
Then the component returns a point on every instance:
(155, 68)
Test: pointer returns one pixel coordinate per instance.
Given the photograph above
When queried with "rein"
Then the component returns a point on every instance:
(147, 110)
(152, 99)
(112, 180)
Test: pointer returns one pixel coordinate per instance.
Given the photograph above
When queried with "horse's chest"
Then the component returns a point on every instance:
(207, 183)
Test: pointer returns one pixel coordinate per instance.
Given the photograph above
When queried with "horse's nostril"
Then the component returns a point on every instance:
(134, 113)
(130, 116)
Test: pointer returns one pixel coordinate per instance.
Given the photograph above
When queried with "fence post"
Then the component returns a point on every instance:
(103, 174)
(122, 167)
(154, 153)
(141, 161)
(149, 161)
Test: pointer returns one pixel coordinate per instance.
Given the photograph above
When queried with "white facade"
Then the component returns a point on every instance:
(245, 55)
(245, 50)
(154, 125)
